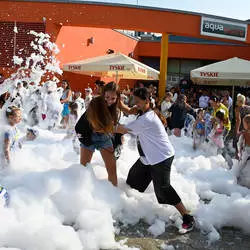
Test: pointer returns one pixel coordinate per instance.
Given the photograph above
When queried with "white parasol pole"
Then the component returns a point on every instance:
(233, 95)
(116, 78)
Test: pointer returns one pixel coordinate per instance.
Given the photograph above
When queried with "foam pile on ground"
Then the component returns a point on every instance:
(58, 204)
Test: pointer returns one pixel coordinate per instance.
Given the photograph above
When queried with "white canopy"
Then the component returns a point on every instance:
(234, 71)
(113, 65)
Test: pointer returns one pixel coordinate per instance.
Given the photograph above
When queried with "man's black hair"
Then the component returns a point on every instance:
(220, 115)
(142, 93)
(214, 98)
(99, 83)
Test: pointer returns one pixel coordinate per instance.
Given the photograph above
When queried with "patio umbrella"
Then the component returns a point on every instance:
(231, 72)
(116, 65)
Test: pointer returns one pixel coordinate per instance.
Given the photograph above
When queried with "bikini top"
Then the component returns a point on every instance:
(200, 125)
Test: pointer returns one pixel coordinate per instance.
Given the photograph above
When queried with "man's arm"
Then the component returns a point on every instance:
(67, 97)
(127, 110)
(120, 129)
(7, 149)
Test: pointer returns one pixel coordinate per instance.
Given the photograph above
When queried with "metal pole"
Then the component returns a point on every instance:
(233, 95)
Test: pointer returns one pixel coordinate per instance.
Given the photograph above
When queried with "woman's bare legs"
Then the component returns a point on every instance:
(65, 121)
(110, 163)
(85, 156)
(108, 158)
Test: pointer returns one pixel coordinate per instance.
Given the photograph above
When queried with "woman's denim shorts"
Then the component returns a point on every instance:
(99, 141)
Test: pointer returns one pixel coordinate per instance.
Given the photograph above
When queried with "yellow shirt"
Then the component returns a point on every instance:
(227, 122)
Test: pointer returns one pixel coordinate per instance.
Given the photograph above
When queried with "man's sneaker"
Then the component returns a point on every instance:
(188, 224)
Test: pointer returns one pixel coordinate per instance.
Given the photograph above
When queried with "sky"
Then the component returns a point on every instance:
(226, 8)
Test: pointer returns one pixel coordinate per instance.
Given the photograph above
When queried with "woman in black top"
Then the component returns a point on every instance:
(95, 128)
(179, 112)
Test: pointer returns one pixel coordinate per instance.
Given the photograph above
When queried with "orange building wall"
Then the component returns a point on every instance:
(195, 51)
(101, 15)
(74, 45)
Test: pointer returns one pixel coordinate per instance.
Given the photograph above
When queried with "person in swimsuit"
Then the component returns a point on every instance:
(199, 129)
(244, 154)
(65, 99)
(241, 110)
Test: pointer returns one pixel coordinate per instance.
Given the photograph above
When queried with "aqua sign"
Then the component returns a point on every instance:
(223, 29)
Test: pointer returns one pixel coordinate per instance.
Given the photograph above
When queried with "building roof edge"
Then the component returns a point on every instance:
(136, 6)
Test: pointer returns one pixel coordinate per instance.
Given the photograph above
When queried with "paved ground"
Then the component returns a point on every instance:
(138, 236)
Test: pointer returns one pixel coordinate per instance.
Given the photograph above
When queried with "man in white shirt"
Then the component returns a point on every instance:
(204, 100)
(88, 97)
(156, 157)
(80, 102)
(227, 100)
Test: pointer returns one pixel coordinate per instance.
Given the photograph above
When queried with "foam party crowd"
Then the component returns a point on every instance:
(75, 167)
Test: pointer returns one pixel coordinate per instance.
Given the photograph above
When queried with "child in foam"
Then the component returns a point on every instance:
(244, 154)
(51, 106)
(208, 121)
(12, 141)
(12, 134)
(73, 117)
(199, 129)
(166, 104)
(216, 135)
(32, 107)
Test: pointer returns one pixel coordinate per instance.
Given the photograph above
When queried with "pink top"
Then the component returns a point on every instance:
(218, 135)
(219, 129)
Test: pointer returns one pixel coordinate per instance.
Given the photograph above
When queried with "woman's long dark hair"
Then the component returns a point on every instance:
(73, 107)
(100, 85)
(113, 109)
(68, 85)
(144, 94)
(181, 100)
(99, 115)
